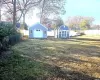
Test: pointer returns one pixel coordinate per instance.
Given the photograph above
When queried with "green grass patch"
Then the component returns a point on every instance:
(16, 67)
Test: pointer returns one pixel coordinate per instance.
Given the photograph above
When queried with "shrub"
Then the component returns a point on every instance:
(82, 33)
(6, 30)
(13, 39)
(8, 35)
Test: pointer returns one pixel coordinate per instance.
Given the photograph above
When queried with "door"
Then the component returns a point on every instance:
(38, 33)
(60, 34)
(64, 34)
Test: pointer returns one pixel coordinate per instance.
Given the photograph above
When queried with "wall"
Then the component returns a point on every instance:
(50, 33)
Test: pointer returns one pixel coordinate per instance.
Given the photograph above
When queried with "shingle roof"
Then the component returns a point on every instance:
(63, 27)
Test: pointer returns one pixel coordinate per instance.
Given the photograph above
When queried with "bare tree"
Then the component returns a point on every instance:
(20, 8)
(48, 7)
(1, 5)
(14, 13)
(25, 6)
(8, 6)
(0, 8)
(58, 22)
(11, 5)
(79, 22)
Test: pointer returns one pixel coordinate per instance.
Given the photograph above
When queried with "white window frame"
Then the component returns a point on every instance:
(65, 31)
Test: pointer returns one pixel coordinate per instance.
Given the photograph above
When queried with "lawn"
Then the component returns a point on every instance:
(60, 59)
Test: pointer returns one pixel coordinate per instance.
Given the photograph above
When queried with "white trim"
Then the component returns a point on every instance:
(65, 32)
(40, 24)
(61, 26)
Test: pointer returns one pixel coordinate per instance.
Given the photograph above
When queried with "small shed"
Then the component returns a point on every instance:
(62, 32)
(38, 31)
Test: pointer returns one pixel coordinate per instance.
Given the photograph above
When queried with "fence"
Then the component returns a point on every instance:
(92, 32)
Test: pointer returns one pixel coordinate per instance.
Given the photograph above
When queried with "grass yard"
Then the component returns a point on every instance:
(73, 59)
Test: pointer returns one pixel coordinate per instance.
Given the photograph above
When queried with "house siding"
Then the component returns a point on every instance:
(30, 34)
(37, 26)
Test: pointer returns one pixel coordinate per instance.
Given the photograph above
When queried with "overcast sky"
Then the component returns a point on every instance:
(90, 8)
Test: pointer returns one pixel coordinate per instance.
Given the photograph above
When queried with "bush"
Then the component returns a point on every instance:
(82, 33)
(13, 39)
(6, 29)
(8, 35)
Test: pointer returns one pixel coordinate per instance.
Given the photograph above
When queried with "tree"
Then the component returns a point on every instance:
(83, 24)
(80, 22)
(25, 6)
(10, 6)
(56, 23)
(51, 8)
(95, 27)
(0, 8)
(14, 13)
(59, 22)
(22, 8)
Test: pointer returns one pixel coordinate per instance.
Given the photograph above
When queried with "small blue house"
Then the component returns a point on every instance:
(62, 32)
(38, 31)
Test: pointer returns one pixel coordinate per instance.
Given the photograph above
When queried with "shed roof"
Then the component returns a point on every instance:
(38, 25)
(63, 27)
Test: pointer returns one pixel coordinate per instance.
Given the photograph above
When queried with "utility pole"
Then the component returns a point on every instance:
(14, 13)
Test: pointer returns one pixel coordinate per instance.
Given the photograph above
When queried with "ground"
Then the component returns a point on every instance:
(59, 59)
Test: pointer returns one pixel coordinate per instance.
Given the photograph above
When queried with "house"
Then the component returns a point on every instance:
(62, 32)
(38, 31)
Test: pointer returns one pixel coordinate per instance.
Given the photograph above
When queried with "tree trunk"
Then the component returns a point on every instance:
(54, 33)
(23, 20)
(0, 13)
(0, 8)
(42, 11)
(57, 33)
(14, 14)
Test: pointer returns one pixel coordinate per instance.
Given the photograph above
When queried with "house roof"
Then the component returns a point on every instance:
(63, 27)
(38, 26)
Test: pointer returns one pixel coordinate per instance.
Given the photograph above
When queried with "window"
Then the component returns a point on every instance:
(31, 31)
(38, 30)
(63, 33)
(60, 32)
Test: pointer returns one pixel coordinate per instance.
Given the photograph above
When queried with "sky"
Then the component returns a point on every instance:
(32, 18)
(89, 8)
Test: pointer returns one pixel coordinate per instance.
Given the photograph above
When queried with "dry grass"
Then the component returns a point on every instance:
(80, 54)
